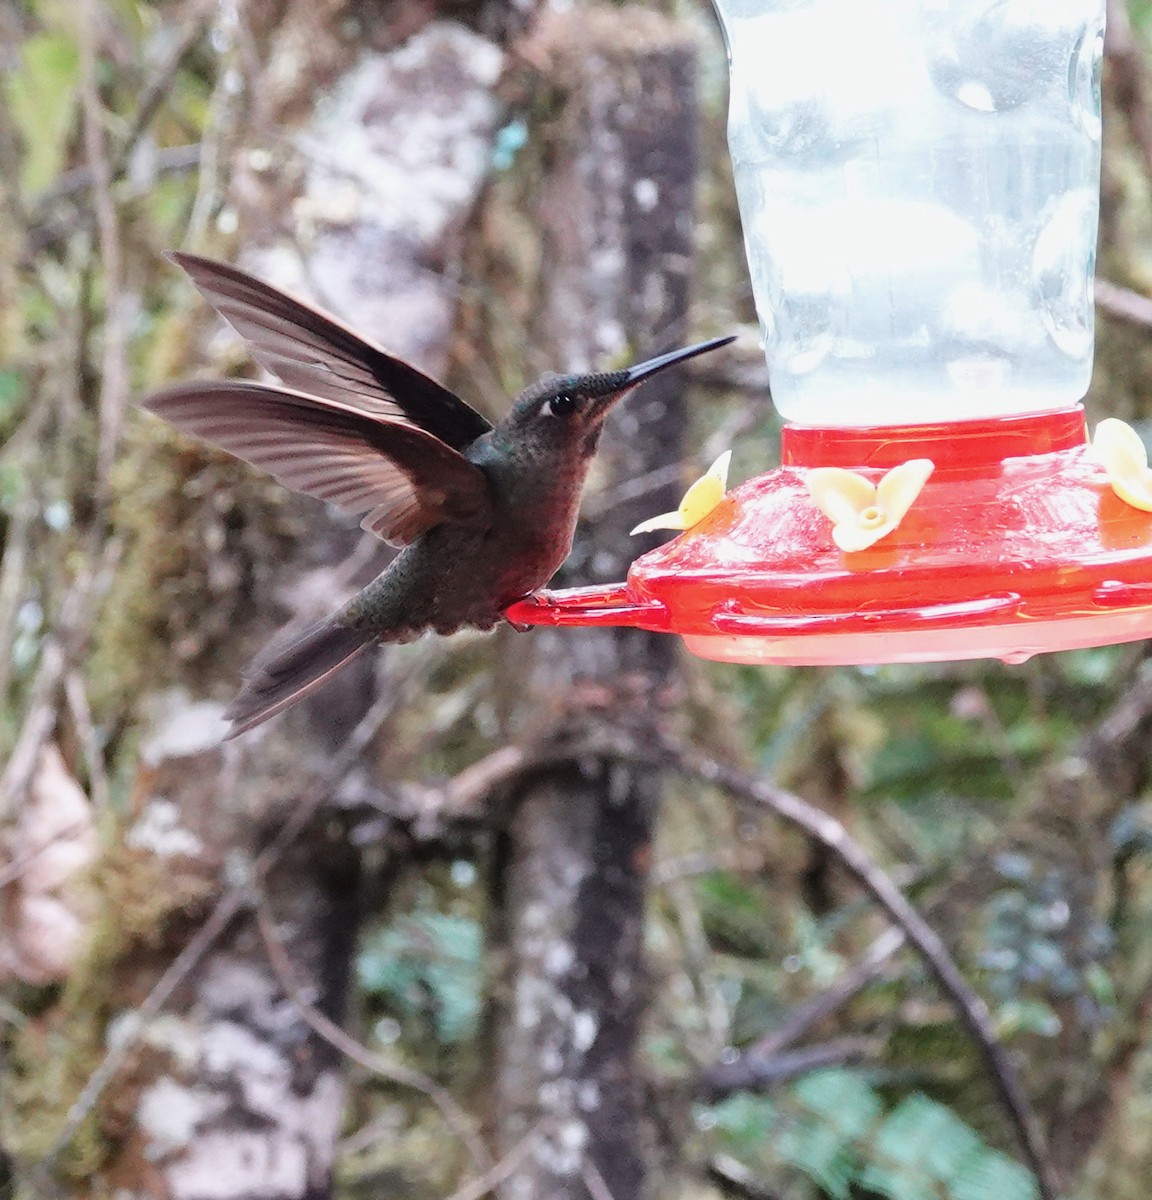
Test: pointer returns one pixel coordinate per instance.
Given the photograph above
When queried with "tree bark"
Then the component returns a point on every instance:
(615, 210)
(230, 1093)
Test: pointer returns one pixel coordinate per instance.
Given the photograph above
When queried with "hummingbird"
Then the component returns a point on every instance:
(483, 515)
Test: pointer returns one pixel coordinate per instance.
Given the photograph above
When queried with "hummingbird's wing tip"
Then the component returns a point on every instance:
(184, 260)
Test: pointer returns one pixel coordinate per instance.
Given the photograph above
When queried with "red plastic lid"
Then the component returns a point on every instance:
(1016, 545)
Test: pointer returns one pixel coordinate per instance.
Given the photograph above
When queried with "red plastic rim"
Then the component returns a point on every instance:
(1016, 545)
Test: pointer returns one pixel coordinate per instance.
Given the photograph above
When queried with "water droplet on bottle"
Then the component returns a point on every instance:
(1015, 657)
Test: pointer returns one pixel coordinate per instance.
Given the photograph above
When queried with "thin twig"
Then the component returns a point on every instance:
(426, 810)
(594, 1181)
(219, 118)
(973, 1011)
(402, 682)
(77, 696)
(18, 867)
(60, 221)
(40, 714)
(1123, 303)
(25, 444)
(831, 999)
(701, 862)
(759, 1072)
(736, 1179)
(39, 720)
(81, 602)
(13, 579)
(454, 1116)
(114, 369)
(159, 87)
(501, 1170)
(167, 160)
(12, 1015)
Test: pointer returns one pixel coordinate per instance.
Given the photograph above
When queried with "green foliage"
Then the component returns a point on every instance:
(1031, 950)
(11, 396)
(41, 93)
(834, 1129)
(428, 964)
(1140, 12)
(1027, 1016)
(11, 485)
(733, 911)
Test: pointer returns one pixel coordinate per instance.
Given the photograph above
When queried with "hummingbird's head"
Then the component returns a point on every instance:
(563, 414)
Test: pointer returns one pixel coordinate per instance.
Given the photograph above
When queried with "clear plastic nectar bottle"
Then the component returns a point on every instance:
(919, 188)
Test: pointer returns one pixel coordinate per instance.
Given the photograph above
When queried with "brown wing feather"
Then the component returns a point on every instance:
(312, 352)
(406, 479)
(288, 671)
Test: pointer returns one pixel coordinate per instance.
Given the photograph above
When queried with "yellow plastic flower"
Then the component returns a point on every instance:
(699, 500)
(863, 512)
(1120, 451)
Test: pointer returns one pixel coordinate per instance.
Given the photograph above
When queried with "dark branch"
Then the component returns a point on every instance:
(757, 1072)
(860, 864)
(831, 999)
(1123, 303)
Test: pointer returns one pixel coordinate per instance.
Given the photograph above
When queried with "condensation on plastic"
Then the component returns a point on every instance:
(918, 184)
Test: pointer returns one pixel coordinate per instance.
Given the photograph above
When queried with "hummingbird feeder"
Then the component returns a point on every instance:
(919, 189)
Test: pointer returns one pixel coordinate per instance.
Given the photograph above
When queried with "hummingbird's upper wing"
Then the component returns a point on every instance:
(406, 480)
(312, 352)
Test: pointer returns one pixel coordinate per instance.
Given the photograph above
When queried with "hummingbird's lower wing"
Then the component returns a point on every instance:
(405, 480)
(312, 352)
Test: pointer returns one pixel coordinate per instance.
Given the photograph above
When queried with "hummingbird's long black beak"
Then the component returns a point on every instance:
(614, 386)
(644, 370)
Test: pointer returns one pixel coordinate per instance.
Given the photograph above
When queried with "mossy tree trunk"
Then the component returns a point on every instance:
(614, 207)
(174, 1061)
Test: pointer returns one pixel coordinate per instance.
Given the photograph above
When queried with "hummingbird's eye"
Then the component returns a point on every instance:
(563, 405)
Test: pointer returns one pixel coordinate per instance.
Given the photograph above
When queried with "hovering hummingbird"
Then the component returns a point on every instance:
(484, 515)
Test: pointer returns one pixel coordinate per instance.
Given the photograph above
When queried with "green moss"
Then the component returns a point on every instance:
(143, 904)
(51, 1061)
(202, 534)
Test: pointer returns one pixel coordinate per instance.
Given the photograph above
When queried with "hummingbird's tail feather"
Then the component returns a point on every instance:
(288, 671)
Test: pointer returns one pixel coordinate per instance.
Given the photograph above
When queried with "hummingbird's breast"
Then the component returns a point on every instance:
(525, 546)
(456, 577)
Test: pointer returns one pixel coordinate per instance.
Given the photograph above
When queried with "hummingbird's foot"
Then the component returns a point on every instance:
(542, 599)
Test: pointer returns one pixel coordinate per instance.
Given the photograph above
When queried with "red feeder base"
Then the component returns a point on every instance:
(1016, 545)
